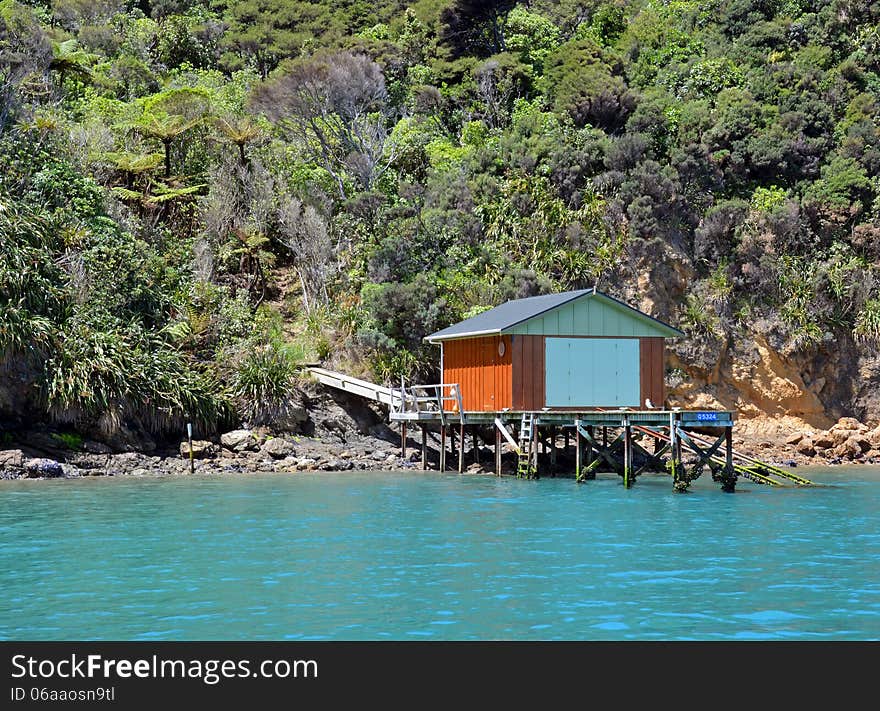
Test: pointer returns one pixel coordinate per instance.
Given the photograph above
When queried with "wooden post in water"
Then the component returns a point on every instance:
(442, 447)
(452, 443)
(728, 480)
(424, 448)
(589, 455)
(553, 451)
(534, 452)
(678, 482)
(476, 446)
(627, 453)
(577, 450)
(565, 445)
(461, 448)
(497, 451)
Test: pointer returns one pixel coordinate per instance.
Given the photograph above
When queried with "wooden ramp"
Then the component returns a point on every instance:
(355, 386)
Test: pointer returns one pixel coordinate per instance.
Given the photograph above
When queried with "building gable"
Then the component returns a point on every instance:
(593, 314)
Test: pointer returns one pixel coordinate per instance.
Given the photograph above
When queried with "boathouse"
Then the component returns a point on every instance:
(578, 369)
(574, 350)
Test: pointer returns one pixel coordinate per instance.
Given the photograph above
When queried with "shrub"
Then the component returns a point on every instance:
(867, 327)
(262, 385)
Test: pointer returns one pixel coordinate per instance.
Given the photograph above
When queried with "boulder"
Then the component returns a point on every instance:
(238, 440)
(201, 449)
(874, 437)
(11, 458)
(292, 419)
(838, 437)
(794, 438)
(93, 447)
(849, 423)
(823, 441)
(849, 449)
(278, 448)
(805, 447)
(40, 467)
(862, 442)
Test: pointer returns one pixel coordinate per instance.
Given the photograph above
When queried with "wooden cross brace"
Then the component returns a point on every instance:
(704, 455)
(605, 452)
(653, 460)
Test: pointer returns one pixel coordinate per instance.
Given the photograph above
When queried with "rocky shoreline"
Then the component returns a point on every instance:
(337, 432)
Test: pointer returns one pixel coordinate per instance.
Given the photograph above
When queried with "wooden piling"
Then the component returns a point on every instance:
(552, 451)
(589, 447)
(728, 479)
(442, 448)
(452, 443)
(497, 452)
(424, 448)
(403, 440)
(461, 448)
(476, 446)
(627, 453)
(534, 452)
(577, 450)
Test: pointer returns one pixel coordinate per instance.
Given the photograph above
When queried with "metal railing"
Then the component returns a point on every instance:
(428, 399)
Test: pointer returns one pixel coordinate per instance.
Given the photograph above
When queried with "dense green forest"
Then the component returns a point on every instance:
(197, 196)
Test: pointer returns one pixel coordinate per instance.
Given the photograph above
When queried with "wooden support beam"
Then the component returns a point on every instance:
(534, 452)
(728, 473)
(728, 447)
(552, 451)
(678, 484)
(502, 428)
(590, 457)
(452, 442)
(653, 462)
(461, 448)
(627, 454)
(442, 447)
(403, 439)
(606, 453)
(497, 452)
(476, 445)
(565, 445)
(577, 451)
(424, 448)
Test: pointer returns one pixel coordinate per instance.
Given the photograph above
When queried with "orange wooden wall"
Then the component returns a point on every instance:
(483, 375)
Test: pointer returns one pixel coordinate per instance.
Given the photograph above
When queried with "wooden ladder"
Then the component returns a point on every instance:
(524, 467)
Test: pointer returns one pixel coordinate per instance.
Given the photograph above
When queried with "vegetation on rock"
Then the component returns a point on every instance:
(196, 195)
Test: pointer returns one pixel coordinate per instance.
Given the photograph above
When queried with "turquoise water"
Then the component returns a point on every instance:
(424, 556)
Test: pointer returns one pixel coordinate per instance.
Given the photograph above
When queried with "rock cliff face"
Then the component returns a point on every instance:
(775, 390)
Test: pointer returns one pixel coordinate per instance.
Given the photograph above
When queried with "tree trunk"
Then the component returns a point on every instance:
(167, 144)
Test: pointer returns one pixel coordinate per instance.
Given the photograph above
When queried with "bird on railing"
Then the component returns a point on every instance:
(648, 404)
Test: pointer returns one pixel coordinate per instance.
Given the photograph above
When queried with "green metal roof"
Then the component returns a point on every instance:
(585, 312)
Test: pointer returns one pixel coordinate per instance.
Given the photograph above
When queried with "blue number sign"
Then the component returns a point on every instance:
(707, 416)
